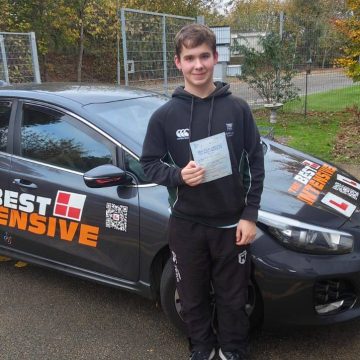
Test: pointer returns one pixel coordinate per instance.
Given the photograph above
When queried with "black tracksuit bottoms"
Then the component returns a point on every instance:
(206, 257)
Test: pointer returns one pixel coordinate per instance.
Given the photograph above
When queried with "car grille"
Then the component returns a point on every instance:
(333, 296)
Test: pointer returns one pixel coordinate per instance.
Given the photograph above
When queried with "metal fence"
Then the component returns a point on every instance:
(148, 49)
(313, 58)
(18, 58)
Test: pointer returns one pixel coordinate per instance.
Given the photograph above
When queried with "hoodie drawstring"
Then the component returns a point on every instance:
(191, 119)
(210, 115)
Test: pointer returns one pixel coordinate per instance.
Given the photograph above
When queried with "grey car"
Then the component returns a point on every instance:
(73, 197)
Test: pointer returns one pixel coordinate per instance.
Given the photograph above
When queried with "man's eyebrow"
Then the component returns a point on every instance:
(203, 53)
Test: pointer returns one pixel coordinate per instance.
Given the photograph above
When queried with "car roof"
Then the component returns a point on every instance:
(80, 93)
(74, 97)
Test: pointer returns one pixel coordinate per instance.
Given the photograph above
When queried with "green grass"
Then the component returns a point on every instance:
(329, 115)
(314, 135)
(333, 100)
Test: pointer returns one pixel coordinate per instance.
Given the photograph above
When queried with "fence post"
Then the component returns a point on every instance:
(281, 29)
(164, 55)
(35, 60)
(123, 32)
(4, 59)
(200, 19)
(118, 43)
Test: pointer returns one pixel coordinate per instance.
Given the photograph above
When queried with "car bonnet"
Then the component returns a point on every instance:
(300, 186)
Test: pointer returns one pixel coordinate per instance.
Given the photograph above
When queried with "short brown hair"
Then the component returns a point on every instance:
(194, 35)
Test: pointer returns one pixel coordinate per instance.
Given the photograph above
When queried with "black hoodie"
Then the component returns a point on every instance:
(186, 118)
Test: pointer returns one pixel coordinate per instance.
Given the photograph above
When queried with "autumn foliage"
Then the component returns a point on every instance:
(350, 27)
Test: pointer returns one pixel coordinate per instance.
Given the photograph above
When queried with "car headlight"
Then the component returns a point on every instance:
(304, 237)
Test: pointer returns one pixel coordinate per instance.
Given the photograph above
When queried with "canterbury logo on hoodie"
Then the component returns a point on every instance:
(182, 134)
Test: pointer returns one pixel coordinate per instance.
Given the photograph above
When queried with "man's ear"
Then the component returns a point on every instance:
(177, 62)
(216, 57)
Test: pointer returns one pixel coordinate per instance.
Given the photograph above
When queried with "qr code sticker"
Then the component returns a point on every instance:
(116, 216)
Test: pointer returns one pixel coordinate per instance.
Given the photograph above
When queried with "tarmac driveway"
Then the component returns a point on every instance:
(48, 315)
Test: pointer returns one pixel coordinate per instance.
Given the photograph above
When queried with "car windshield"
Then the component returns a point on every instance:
(129, 116)
(132, 116)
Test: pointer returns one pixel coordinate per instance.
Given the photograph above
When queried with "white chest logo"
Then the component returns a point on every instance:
(242, 257)
(182, 134)
(229, 129)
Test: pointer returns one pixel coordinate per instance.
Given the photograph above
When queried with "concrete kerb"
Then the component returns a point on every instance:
(352, 169)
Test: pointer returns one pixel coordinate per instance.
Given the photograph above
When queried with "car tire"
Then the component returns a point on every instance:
(170, 301)
(171, 306)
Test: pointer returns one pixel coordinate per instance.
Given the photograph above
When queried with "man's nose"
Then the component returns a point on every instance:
(198, 63)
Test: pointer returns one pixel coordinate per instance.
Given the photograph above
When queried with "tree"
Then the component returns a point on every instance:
(87, 21)
(310, 23)
(269, 71)
(46, 19)
(5, 15)
(81, 35)
(254, 15)
(350, 27)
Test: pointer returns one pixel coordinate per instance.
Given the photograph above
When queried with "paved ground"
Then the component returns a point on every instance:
(47, 315)
(352, 169)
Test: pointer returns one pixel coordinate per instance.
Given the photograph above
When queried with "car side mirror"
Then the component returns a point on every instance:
(106, 176)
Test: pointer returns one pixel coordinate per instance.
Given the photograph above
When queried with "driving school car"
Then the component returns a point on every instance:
(73, 197)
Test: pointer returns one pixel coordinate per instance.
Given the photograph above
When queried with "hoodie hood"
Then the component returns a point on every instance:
(221, 89)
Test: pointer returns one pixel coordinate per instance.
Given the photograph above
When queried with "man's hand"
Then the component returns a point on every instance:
(192, 174)
(245, 232)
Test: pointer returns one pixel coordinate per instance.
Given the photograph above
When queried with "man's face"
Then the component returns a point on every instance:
(197, 65)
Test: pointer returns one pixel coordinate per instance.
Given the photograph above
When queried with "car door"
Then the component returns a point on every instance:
(53, 215)
(6, 106)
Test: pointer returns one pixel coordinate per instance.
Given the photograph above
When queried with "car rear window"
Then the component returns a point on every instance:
(5, 111)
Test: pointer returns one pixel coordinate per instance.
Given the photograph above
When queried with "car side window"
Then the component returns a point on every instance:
(5, 111)
(58, 139)
(133, 165)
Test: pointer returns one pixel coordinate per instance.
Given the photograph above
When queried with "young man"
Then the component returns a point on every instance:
(214, 204)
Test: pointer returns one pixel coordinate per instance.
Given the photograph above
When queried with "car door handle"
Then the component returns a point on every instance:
(25, 183)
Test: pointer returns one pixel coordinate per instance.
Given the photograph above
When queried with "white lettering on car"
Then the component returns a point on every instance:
(11, 199)
(43, 203)
(26, 202)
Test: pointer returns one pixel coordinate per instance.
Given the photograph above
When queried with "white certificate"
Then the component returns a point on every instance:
(212, 153)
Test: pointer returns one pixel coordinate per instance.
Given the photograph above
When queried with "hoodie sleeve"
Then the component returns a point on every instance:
(155, 159)
(253, 170)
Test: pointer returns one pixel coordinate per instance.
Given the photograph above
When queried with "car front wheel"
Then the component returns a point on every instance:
(171, 306)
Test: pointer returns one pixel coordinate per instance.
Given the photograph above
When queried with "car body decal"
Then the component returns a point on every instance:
(339, 204)
(69, 205)
(348, 181)
(317, 184)
(116, 216)
(343, 189)
(28, 212)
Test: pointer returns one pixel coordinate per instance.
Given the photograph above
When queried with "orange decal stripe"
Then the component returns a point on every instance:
(4, 215)
(67, 232)
(18, 219)
(88, 235)
(37, 224)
